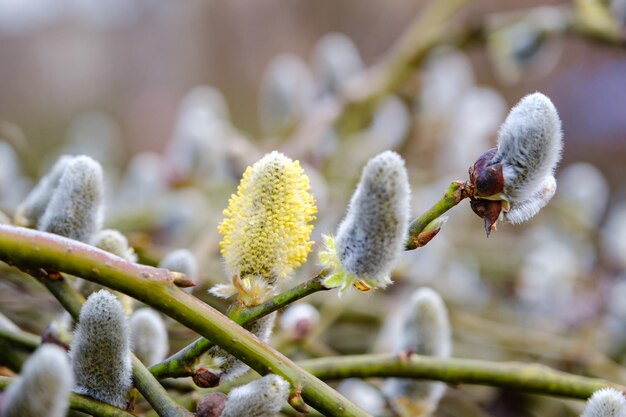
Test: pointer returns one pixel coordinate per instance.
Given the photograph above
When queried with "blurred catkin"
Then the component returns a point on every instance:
(261, 398)
(425, 331)
(149, 336)
(43, 388)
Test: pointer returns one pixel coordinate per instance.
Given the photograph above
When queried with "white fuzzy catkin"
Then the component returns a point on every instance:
(229, 366)
(530, 142)
(100, 351)
(114, 242)
(43, 388)
(75, 209)
(372, 234)
(181, 260)
(426, 331)
(335, 59)
(34, 205)
(262, 398)
(148, 336)
(524, 210)
(607, 402)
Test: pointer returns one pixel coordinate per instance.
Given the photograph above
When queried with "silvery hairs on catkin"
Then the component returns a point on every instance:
(75, 209)
(261, 398)
(372, 235)
(530, 142)
(148, 336)
(32, 208)
(229, 366)
(100, 351)
(43, 388)
(425, 331)
(606, 402)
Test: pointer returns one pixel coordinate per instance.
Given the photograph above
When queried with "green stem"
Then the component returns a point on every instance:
(523, 377)
(82, 403)
(24, 247)
(182, 363)
(147, 384)
(453, 196)
(20, 339)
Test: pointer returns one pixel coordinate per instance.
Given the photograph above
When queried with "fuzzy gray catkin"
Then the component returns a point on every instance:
(181, 260)
(530, 142)
(262, 398)
(114, 242)
(100, 351)
(43, 388)
(425, 331)
(607, 402)
(148, 336)
(372, 234)
(229, 366)
(75, 209)
(34, 205)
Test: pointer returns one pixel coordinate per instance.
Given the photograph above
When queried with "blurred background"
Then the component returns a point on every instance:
(175, 99)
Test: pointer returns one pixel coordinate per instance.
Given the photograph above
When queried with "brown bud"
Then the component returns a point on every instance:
(50, 336)
(489, 211)
(212, 405)
(298, 404)
(204, 378)
(424, 237)
(486, 179)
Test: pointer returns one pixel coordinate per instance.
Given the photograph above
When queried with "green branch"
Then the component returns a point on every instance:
(523, 377)
(182, 363)
(20, 339)
(455, 193)
(30, 248)
(82, 403)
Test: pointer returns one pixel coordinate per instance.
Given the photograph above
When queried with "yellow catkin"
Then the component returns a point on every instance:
(266, 224)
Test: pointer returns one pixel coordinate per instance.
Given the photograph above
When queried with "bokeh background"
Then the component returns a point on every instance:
(175, 99)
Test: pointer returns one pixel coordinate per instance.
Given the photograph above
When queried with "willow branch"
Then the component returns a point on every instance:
(24, 247)
(82, 403)
(182, 363)
(522, 377)
(455, 193)
(20, 339)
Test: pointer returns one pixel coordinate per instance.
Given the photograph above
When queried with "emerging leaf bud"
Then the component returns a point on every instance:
(100, 351)
(43, 388)
(75, 209)
(372, 234)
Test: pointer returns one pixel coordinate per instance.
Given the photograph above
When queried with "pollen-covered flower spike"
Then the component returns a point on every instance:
(372, 234)
(266, 227)
(43, 388)
(515, 180)
(100, 351)
(228, 367)
(75, 209)
(607, 402)
(149, 336)
(32, 208)
(425, 331)
(261, 398)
